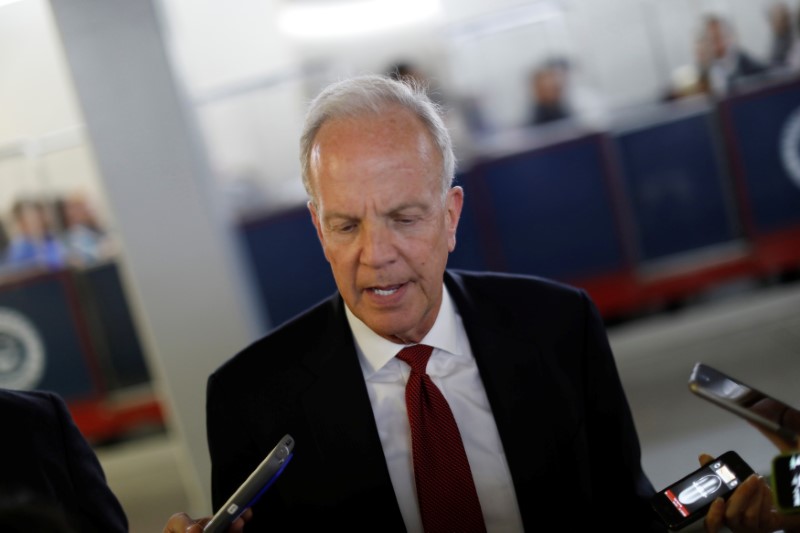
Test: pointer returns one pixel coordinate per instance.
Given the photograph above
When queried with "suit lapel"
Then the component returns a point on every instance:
(511, 373)
(340, 416)
(345, 434)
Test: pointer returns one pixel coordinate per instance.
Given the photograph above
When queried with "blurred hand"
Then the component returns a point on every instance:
(782, 444)
(787, 417)
(748, 510)
(183, 523)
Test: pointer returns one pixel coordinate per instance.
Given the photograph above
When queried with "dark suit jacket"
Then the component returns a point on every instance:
(45, 460)
(747, 66)
(550, 377)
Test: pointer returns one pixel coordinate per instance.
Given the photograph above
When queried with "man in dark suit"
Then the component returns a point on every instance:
(49, 472)
(524, 363)
(724, 64)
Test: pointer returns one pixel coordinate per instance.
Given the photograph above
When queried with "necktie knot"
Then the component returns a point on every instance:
(416, 356)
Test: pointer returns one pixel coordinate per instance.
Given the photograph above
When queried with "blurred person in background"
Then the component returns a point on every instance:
(556, 95)
(463, 115)
(406, 71)
(85, 241)
(782, 30)
(691, 80)
(4, 240)
(548, 92)
(793, 54)
(33, 243)
(410, 73)
(723, 63)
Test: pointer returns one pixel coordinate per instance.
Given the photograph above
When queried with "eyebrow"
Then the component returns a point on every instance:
(395, 210)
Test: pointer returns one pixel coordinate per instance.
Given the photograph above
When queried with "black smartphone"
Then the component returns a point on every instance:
(745, 401)
(253, 487)
(689, 498)
(786, 482)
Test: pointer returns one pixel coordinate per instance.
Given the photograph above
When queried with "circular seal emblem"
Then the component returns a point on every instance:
(790, 146)
(22, 359)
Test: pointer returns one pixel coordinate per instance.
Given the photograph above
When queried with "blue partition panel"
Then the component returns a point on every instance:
(764, 134)
(469, 253)
(114, 334)
(681, 200)
(552, 210)
(288, 263)
(42, 338)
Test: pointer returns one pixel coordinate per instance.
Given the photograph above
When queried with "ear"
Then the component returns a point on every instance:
(453, 205)
(318, 226)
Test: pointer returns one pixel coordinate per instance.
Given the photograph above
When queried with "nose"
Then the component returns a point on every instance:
(377, 246)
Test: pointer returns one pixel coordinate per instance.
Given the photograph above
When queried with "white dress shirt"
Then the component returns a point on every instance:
(452, 368)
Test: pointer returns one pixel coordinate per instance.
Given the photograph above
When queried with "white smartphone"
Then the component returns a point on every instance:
(745, 401)
(253, 487)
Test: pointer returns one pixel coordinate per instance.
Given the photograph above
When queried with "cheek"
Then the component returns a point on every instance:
(341, 261)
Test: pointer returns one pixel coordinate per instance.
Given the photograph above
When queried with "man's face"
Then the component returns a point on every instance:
(548, 87)
(381, 220)
(32, 222)
(718, 39)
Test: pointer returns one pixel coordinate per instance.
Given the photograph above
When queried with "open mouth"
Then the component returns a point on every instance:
(385, 291)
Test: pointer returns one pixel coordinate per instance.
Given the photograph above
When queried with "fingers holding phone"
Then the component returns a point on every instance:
(691, 497)
(715, 517)
(253, 487)
(183, 523)
(783, 443)
(748, 509)
(778, 421)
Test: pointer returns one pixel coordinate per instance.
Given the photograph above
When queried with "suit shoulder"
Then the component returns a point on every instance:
(280, 349)
(41, 420)
(505, 286)
(30, 403)
(520, 301)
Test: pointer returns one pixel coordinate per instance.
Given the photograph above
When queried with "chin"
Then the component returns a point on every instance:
(390, 331)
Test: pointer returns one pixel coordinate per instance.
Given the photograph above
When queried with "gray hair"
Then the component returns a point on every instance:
(372, 94)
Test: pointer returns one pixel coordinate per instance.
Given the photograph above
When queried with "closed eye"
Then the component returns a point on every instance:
(406, 220)
(343, 227)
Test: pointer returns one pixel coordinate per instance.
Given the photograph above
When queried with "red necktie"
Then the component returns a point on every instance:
(445, 489)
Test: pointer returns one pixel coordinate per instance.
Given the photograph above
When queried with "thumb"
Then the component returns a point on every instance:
(704, 459)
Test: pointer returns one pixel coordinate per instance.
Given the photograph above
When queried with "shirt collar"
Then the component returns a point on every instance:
(374, 352)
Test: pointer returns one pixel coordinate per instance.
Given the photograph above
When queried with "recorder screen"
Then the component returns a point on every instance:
(693, 493)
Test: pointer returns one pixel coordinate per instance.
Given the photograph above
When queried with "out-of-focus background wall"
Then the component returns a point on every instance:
(153, 219)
